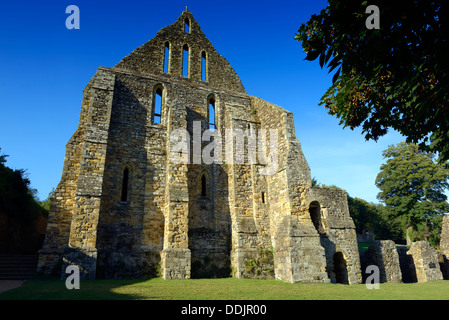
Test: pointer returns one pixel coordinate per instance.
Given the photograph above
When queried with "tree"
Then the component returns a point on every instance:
(47, 202)
(17, 198)
(394, 77)
(375, 217)
(412, 187)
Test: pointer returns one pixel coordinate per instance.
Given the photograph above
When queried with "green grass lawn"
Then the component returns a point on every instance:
(365, 245)
(222, 289)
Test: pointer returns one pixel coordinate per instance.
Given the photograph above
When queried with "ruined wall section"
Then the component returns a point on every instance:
(209, 221)
(339, 234)
(62, 200)
(298, 255)
(424, 264)
(247, 229)
(384, 255)
(176, 255)
(443, 255)
(444, 242)
(81, 249)
(149, 58)
(124, 249)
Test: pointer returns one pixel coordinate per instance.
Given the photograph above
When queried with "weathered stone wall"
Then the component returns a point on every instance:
(297, 251)
(149, 58)
(125, 209)
(425, 262)
(337, 233)
(62, 201)
(443, 255)
(383, 254)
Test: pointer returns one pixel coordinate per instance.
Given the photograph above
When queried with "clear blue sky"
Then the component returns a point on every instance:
(44, 68)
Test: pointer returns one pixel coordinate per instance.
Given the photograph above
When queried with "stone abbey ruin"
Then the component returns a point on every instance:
(123, 209)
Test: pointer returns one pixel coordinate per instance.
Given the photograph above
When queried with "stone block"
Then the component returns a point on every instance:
(384, 255)
(425, 262)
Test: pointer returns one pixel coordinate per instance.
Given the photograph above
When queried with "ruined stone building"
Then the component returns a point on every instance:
(124, 209)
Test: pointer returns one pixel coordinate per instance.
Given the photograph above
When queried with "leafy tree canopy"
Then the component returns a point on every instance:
(392, 77)
(375, 217)
(17, 198)
(413, 186)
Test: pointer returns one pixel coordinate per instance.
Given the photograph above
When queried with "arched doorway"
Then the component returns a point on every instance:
(340, 268)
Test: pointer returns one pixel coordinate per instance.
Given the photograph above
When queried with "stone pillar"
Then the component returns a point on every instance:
(383, 254)
(298, 255)
(444, 239)
(176, 256)
(425, 262)
(63, 198)
(81, 250)
(444, 248)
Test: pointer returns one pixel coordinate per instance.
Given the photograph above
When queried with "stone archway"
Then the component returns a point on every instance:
(340, 268)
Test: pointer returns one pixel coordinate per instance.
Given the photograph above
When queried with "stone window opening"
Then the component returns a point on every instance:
(185, 61)
(203, 66)
(211, 113)
(157, 105)
(203, 186)
(125, 185)
(167, 58)
(263, 197)
(315, 215)
(187, 25)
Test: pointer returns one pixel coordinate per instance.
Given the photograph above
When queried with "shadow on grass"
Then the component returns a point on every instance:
(55, 289)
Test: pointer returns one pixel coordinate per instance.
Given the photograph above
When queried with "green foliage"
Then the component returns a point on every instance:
(47, 202)
(375, 217)
(262, 266)
(17, 199)
(412, 187)
(392, 77)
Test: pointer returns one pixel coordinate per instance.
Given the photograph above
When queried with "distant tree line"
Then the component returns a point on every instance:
(19, 209)
(17, 199)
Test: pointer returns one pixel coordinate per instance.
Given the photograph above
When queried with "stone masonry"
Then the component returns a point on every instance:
(424, 264)
(443, 256)
(125, 209)
(383, 254)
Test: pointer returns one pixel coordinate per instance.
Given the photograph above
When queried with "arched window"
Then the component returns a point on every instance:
(185, 61)
(167, 58)
(187, 25)
(157, 105)
(203, 186)
(315, 215)
(203, 66)
(211, 112)
(125, 182)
